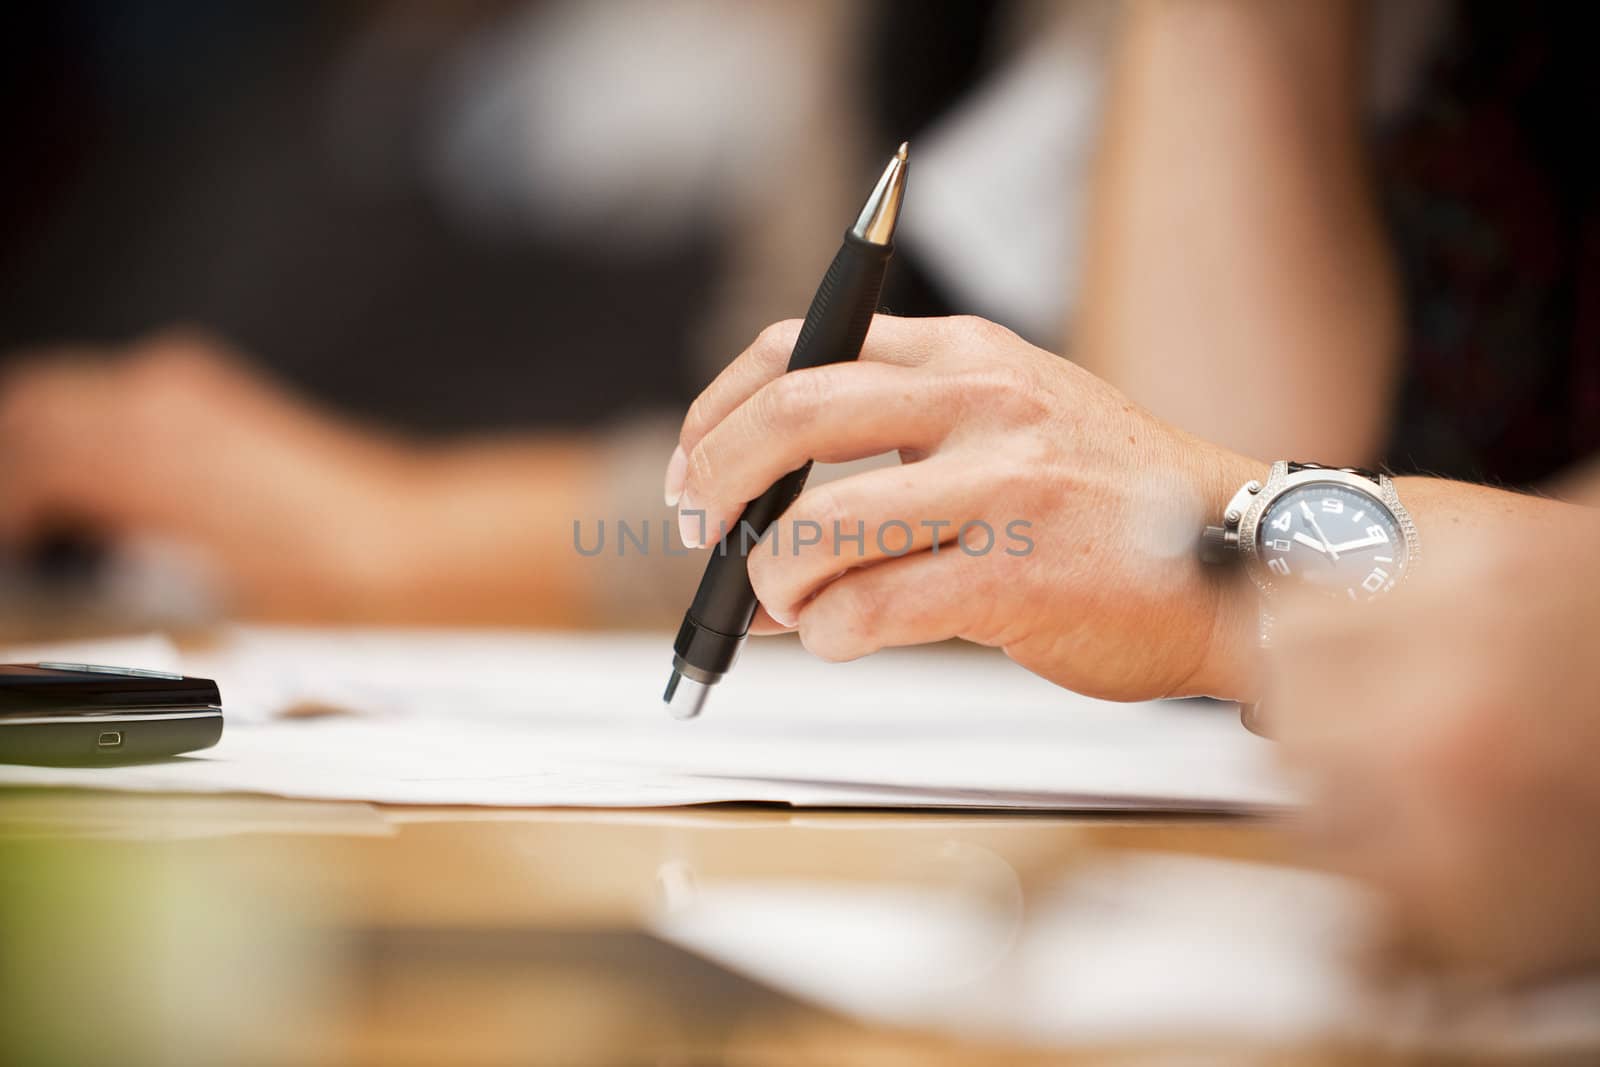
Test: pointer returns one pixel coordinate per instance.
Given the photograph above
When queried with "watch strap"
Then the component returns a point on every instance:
(1294, 466)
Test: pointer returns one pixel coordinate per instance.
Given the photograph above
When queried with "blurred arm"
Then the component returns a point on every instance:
(491, 538)
(1237, 281)
(484, 537)
(1446, 738)
(296, 514)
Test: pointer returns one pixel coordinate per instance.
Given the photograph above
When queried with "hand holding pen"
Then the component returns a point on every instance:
(834, 328)
(1038, 510)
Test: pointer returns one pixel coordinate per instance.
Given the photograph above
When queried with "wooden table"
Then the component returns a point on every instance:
(348, 933)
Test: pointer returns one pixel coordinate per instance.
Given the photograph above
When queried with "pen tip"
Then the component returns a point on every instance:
(685, 698)
(876, 222)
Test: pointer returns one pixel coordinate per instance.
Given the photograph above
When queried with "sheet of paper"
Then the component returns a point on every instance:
(1134, 947)
(152, 652)
(497, 718)
(1137, 947)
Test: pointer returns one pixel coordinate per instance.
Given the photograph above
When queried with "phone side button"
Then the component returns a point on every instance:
(110, 739)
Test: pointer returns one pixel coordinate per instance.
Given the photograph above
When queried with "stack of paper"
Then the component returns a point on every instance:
(497, 718)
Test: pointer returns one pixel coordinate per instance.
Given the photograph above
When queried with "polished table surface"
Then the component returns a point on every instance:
(432, 935)
(216, 929)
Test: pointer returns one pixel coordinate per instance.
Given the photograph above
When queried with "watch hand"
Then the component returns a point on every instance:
(1364, 542)
(1307, 540)
(1333, 553)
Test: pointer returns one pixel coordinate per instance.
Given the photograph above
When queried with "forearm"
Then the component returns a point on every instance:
(527, 531)
(481, 533)
(1448, 513)
(1236, 276)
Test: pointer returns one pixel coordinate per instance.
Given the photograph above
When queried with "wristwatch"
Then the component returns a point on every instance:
(1339, 531)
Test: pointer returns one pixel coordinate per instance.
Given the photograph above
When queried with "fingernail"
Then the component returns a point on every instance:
(691, 523)
(784, 619)
(677, 469)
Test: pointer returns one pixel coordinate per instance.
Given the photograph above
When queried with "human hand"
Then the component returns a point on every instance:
(176, 438)
(1107, 597)
(1448, 738)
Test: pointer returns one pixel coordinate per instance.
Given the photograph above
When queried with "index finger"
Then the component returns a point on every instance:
(907, 342)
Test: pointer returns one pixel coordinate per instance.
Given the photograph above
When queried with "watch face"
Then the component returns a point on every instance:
(1331, 537)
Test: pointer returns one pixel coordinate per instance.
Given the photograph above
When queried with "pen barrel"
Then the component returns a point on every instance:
(834, 329)
(836, 324)
(725, 602)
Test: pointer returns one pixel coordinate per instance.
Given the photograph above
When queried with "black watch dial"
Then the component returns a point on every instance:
(1333, 538)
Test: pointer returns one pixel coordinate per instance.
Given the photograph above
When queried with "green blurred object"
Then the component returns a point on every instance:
(118, 952)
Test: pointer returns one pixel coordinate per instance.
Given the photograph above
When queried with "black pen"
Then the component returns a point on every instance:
(719, 618)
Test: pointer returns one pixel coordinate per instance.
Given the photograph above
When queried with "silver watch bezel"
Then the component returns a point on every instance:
(1281, 480)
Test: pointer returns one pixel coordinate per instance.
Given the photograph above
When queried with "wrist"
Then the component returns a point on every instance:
(1228, 668)
(479, 532)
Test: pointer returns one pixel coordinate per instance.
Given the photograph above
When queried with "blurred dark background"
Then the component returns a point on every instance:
(260, 169)
(177, 162)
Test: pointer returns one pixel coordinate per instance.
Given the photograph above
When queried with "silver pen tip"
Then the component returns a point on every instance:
(685, 698)
(877, 220)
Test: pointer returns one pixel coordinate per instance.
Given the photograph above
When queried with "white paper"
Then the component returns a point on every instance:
(151, 652)
(1136, 947)
(501, 718)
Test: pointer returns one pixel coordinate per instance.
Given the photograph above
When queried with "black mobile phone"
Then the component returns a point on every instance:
(81, 714)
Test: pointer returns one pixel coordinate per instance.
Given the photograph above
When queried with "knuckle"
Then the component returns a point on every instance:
(702, 467)
(1033, 466)
(776, 341)
(825, 641)
(766, 411)
(824, 507)
(765, 577)
(695, 422)
(978, 332)
(763, 413)
(865, 608)
(991, 384)
(1008, 390)
(793, 398)
(841, 623)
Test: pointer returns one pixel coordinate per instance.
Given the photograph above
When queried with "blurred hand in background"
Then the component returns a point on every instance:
(1449, 740)
(293, 513)
(176, 438)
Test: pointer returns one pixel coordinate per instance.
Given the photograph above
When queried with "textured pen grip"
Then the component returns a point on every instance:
(725, 602)
(854, 280)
